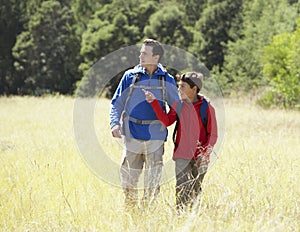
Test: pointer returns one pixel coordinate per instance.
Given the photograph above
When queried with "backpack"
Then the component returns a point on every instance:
(136, 78)
(162, 80)
(203, 116)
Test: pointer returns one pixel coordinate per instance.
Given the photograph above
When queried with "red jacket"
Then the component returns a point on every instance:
(190, 128)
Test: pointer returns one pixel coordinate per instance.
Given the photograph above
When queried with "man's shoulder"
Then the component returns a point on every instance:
(130, 73)
(169, 76)
(162, 70)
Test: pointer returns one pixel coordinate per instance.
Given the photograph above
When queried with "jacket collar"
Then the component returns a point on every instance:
(160, 70)
(200, 97)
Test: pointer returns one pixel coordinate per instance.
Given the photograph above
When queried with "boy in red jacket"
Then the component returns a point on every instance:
(194, 139)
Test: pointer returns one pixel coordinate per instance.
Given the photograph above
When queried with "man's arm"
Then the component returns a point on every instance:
(117, 106)
(172, 90)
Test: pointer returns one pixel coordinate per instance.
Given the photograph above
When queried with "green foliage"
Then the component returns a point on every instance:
(48, 46)
(114, 26)
(218, 24)
(261, 21)
(282, 70)
(45, 53)
(110, 29)
(166, 25)
(84, 10)
(11, 23)
(192, 10)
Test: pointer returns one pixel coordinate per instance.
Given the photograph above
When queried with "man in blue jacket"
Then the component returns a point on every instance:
(132, 117)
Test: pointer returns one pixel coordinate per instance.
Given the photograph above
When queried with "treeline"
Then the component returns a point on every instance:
(47, 47)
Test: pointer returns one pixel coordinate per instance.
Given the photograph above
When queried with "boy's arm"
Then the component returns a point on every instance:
(212, 135)
(212, 129)
(166, 119)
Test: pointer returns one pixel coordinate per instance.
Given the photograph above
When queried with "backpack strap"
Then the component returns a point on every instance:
(162, 87)
(135, 78)
(203, 112)
(162, 82)
(178, 110)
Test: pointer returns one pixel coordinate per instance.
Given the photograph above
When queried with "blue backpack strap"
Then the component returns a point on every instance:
(203, 112)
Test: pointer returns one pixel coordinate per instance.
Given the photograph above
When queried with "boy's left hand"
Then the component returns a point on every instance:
(204, 154)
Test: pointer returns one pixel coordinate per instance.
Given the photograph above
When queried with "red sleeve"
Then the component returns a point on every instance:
(166, 119)
(212, 128)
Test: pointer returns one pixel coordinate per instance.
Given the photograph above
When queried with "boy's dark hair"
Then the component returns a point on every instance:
(193, 79)
(157, 48)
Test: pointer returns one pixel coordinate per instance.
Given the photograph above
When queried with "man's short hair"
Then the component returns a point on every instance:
(157, 48)
(193, 79)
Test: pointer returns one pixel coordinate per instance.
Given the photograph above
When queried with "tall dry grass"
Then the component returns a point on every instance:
(45, 184)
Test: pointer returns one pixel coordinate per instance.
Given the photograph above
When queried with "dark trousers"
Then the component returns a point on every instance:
(188, 182)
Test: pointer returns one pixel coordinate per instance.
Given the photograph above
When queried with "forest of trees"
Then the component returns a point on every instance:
(47, 47)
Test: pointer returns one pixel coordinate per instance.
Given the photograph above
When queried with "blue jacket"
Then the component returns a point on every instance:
(137, 106)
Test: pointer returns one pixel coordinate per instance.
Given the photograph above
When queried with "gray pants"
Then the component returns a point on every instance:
(136, 155)
(188, 182)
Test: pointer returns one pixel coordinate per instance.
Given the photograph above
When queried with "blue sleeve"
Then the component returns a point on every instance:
(118, 100)
(172, 91)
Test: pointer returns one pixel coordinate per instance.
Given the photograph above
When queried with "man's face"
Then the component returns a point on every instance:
(185, 91)
(146, 56)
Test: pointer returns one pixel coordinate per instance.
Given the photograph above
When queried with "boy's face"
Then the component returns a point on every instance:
(185, 91)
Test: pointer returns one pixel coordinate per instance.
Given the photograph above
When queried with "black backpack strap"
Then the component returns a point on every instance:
(178, 110)
(162, 83)
(135, 79)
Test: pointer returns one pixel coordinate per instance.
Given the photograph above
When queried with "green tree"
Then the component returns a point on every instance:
(281, 60)
(107, 31)
(47, 52)
(11, 23)
(261, 21)
(218, 24)
(166, 25)
(192, 10)
(84, 10)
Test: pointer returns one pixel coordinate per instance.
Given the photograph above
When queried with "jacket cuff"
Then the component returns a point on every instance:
(114, 124)
(155, 103)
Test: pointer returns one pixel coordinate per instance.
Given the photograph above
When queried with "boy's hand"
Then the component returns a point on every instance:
(200, 161)
(204, 154)
(149, 96)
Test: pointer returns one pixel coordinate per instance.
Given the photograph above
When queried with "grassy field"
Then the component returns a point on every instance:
(45, 185)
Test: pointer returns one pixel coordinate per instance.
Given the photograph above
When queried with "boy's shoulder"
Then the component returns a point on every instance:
(203, 98)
